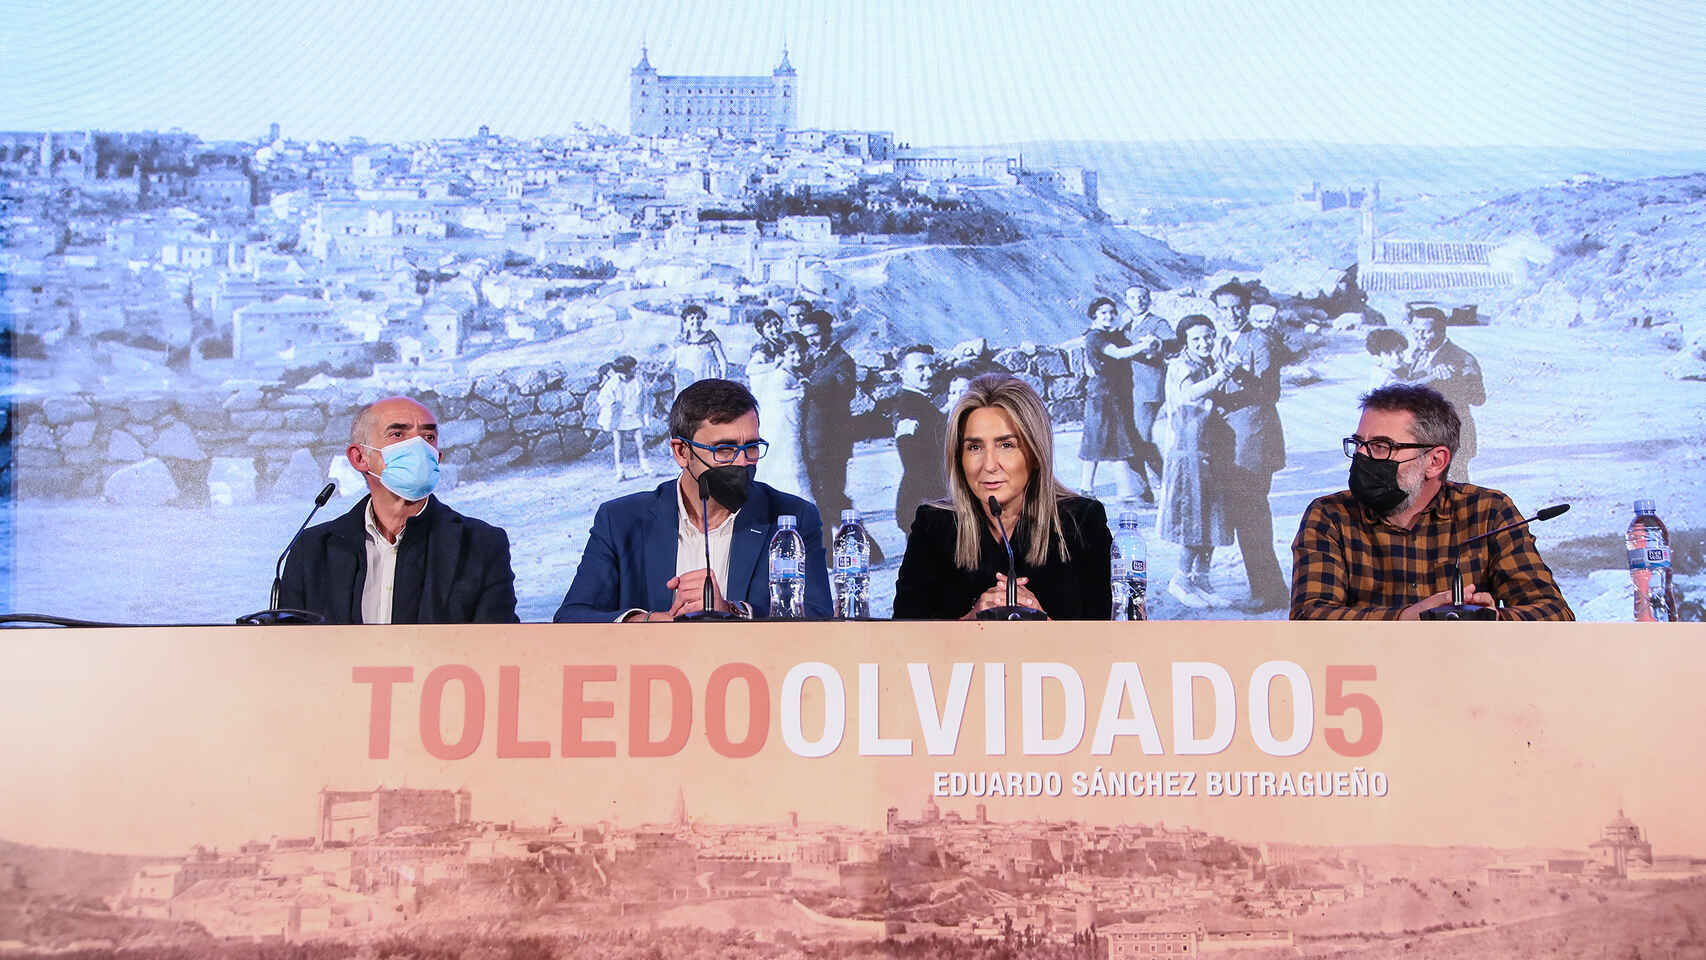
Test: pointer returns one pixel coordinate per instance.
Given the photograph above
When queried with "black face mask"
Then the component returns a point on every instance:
(729, 484)
(1374, 483)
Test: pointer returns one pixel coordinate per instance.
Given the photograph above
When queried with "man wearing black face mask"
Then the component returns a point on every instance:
(645, 555)
(1380, 550)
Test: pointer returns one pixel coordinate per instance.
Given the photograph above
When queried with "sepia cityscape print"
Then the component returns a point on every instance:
(396, 871)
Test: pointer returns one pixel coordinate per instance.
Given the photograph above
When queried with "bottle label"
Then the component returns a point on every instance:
(846, 563)
(787, 567)
(1649, 558)
(1139, 567)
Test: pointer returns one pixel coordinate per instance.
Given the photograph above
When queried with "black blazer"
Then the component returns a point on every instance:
(931, 587)
(450, 569)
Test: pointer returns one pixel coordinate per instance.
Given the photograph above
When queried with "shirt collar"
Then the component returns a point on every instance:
(372, 523)
(688, 522)
(377, 535)
(1441, 507)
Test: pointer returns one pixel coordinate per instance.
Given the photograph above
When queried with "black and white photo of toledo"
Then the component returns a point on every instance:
(1201, 231)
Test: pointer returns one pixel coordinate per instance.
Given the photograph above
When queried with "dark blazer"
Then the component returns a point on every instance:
(1250, 402)
(826, 422)
(921, 452)
(630, 555)
(1149, 368)
(450, 569)
(932, 587)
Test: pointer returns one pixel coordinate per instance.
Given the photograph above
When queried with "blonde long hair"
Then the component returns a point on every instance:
(1040, 517)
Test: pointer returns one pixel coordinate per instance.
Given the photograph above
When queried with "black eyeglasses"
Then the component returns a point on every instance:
(1380, 448)
(730, 452)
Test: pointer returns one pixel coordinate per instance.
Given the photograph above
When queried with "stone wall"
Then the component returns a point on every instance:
(277, 441)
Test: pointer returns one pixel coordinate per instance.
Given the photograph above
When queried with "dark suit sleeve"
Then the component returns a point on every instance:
(1265, 359)
(595, 595)
(819, 604)
(497, 594)
(293, 585)
(1092, 563)
(918, 590)
(1171, 342)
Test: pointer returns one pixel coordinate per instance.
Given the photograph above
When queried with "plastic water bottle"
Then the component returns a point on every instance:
(787, 571)
(1130, 576)
(852, 554)
(1649, 564)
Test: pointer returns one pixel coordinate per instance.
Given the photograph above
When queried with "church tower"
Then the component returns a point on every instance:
(786, 91)
(642, 97)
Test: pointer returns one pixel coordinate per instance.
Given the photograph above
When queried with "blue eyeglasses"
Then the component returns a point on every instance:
(730, 452)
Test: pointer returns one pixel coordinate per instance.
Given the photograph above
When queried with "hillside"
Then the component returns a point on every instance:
(1662, 922)
(46, 921)
(69, 873)
(1031, 290)
(1414, 905)
(1626, 250)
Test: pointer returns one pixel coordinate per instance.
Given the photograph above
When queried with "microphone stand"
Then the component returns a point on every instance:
(1012, 610)
(274, 614)
(1457, 609)
(708, 611)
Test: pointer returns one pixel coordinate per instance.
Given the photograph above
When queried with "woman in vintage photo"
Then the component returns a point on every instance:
(698, 351)
(767, 351)
(1001, 444)
(1193, 513)
(1110, 423)
(780, 390)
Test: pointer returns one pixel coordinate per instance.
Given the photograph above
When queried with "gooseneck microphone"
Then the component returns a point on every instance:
(707, 611)
(1007, 545)
(1012, 611)
(320, 499)
(274, 614)
(1457, 609)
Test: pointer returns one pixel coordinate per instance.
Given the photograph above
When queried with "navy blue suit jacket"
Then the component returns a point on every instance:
(630, 555)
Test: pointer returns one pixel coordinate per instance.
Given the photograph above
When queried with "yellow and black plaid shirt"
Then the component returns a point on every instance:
(1349, 564)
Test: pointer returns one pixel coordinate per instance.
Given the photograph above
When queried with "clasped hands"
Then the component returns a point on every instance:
(689, 590)
(1443, 598)
(996, 596)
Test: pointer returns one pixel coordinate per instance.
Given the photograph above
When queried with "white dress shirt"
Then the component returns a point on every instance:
(378, 589)
(690, 548)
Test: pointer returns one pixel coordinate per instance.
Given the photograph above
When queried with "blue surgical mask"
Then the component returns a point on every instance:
(411, 468)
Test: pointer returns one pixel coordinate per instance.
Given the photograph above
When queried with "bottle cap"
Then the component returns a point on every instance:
(786, 522)
(849, 516)
(1645, 507)
(1129, 517)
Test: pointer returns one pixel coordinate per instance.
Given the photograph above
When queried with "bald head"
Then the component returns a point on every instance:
(392, 419)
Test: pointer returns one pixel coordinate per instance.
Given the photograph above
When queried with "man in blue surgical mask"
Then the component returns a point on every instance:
(400, 555)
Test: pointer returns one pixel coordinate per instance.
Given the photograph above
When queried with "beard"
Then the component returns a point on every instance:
(1411, 484)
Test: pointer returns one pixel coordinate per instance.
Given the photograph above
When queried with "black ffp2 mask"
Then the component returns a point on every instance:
(729, 485)
(1374, 483)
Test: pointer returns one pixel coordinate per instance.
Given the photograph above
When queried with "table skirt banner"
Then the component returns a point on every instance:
(1472, 789)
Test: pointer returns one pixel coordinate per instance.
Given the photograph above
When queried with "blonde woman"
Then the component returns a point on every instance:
(1000, 444)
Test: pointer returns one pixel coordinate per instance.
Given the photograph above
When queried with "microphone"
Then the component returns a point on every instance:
(1457, 609)
(273, 614)
(1012, 611)
(706, 611)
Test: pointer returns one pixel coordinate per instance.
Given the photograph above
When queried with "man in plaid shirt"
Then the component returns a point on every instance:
(1379, 550)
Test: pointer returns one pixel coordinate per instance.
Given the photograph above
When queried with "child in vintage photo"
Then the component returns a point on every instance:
(619, 400)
